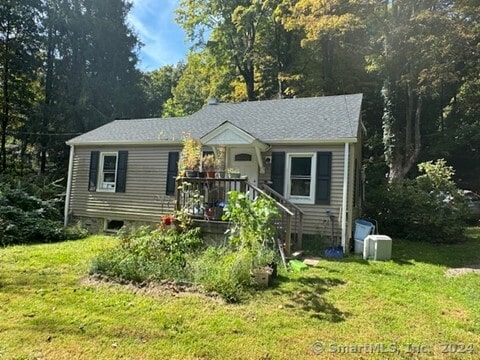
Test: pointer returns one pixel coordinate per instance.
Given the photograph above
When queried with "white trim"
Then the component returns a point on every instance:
(101, 172)
(336, 141)
(261, 165)
(313, 178)
(69, 185)
(345, 196)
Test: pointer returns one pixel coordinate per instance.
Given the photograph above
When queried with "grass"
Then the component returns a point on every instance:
(47, 312)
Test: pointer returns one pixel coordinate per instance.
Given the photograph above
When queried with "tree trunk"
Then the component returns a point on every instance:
(6, 105)
(48, 101)
(402, 163)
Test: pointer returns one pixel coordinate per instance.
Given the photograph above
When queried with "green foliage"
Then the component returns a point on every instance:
(429, 208)
(26, 219)
(224, 271)
(251, 221)
(145, 254)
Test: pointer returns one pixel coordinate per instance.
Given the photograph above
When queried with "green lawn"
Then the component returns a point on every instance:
(47, 311)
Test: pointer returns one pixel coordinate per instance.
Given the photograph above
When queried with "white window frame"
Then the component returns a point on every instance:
(101, 184)
(288, 181)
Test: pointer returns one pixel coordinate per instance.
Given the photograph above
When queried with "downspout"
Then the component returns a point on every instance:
(345, 197)
(69, 185)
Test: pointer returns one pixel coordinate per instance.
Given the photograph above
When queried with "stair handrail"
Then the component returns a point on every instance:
(282, 198)
(280, 205)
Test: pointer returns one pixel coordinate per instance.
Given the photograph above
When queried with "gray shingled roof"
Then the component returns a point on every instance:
(317, 118)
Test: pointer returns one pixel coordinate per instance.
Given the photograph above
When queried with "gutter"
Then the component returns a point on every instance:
(345, 195)
(69, 185)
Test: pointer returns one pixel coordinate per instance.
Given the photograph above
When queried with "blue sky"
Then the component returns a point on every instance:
(163, 39)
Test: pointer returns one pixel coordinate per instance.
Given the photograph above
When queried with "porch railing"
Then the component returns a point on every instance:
(205, 198)
(298, 214)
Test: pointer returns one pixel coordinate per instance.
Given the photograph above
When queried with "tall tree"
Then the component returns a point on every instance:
(19, 41)
(231, 27)
(157, 86)
(421, 62)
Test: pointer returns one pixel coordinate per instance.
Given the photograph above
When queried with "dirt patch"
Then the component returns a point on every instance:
(463, 270)
(155, 289)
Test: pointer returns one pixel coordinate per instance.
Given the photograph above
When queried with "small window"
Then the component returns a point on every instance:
(113, 225)
(108, 172)
(300, 178)
(243, 157)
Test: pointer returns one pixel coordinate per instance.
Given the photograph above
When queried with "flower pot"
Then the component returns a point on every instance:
(211, 174)
(234, 175)
(262, 276)
(220, 174)
(191, 173)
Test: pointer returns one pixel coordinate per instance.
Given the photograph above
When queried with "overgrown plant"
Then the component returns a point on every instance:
(428, 208)
(191, 153)
(26, 218)
(145, 254)
(251, 221)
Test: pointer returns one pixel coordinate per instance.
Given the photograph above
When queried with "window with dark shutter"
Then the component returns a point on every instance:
(172, 171)
(93, 173)
(278, 171)
(324, 178)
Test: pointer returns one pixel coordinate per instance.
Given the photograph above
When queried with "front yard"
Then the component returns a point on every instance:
(406, 307)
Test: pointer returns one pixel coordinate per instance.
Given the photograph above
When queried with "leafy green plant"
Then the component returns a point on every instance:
(26, 218)
(145, 254)
(428, 208)
(251, 221)
(225, 272)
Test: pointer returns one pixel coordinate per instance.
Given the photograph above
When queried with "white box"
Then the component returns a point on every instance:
(377, 247)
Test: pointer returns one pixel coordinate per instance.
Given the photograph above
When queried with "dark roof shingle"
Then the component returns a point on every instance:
(317, 118)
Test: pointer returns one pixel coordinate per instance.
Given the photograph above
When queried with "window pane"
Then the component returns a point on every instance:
(109, 177)
(301, 166)
(109, 163)
(300, 187)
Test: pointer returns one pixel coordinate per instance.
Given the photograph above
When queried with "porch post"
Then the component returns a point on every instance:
(69, 185)
(345, 196)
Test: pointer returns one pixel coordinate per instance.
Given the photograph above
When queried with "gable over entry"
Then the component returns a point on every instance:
(229, 135)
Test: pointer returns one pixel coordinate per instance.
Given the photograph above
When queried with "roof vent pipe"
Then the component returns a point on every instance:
(212, 101)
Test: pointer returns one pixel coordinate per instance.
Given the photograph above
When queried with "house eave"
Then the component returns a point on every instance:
(125, 142)
(179, 142)
(334, 141)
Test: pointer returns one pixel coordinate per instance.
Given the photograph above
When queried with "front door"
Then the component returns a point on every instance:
(245, 160)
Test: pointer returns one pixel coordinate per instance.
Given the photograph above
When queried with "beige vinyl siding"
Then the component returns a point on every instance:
(315, 219)
(144, 198)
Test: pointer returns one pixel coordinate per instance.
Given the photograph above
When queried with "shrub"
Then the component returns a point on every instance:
(251, 221)
(26, 218)
(225, 272)
(145, 254)
(428, 208)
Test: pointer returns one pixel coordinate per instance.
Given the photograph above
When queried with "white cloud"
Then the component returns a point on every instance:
(163, 39)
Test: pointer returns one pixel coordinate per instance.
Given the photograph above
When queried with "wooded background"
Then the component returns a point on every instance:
(69, 66)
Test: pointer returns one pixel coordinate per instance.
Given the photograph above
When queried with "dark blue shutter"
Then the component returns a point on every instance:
(172, 171)
(278, 171)
(93, 174)
(121, 172)
(324, 178)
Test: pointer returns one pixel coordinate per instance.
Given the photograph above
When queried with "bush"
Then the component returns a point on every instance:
(145, 254)
(225, 272)
(25, 218)
(428, 208)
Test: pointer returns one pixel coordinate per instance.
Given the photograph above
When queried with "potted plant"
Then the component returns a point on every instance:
(220, 162)
(264, 266)
(191, 156)
(233, 173)
(208, 162)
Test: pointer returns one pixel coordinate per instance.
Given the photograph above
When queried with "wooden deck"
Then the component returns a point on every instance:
(205, 198)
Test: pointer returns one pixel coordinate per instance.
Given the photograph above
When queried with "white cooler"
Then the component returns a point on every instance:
(377, 247)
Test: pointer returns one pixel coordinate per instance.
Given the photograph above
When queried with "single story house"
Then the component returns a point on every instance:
(306, 151)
